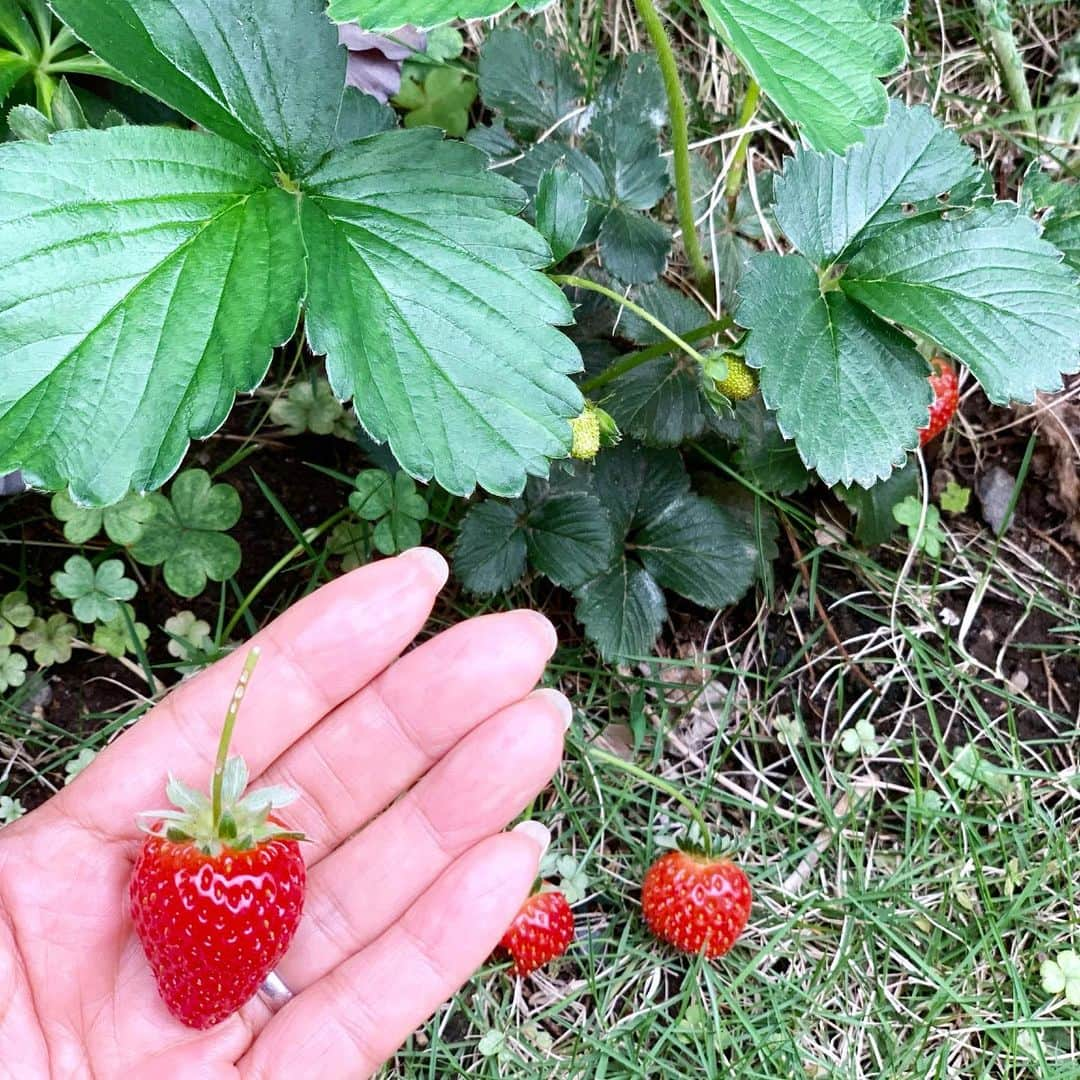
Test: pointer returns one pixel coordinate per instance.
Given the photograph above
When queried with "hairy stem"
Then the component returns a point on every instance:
(680, 143)
(602, 757)
(227, 730)
(738, 160)
(653, 352)
(998, 21)
(637, 309)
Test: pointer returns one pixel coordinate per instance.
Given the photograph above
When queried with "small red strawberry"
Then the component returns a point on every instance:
(542, 930)
(946, 397)
(696, 903)
(218, 887)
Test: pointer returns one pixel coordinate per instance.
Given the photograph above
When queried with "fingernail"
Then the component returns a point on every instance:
(431, 562)
(549, 631)
(558, 701)
(537, 833)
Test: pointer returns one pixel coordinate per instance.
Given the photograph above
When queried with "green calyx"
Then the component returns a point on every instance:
(227, 818)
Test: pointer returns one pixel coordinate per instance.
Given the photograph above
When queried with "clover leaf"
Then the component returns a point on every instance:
(95, 593)
(931, 536)
(76, 765)
(311, 405)
(10, 810)
(351, 540)
(123, 522)
(432, 91)
(955, 498)
(1062, 975)
(187, 533)
(861, 739)
(49, 639)
(12, 669)
(394, 504)
(15, 613)
(121, 635)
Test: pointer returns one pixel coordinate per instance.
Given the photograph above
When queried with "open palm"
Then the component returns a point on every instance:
(406, 896)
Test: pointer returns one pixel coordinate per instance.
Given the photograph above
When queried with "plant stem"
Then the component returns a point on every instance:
(738, 161)
(1010, 61)
(680, 143)
(292, 553)
(653, 352)
(604, 758)
(227, 730)
(637, 309)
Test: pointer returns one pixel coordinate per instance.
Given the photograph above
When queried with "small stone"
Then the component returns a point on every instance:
(995, 491)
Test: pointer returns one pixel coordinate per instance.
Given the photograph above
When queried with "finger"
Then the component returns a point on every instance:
(377, 743)
(314, 656)
(349, 1022)
(356, 892)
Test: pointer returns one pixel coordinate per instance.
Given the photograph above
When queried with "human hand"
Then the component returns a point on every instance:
(398, 914)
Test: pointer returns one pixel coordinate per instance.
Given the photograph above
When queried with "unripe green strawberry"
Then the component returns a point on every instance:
(731, 375)
(591, 430)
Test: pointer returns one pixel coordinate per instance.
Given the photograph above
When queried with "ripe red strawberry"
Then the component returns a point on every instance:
(696, 903)
(542, 930)
(217, 889)
(946, 397)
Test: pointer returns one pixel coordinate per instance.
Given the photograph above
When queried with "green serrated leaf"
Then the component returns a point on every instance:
(13, 67)
(265, 76)
(633, 247)
(764, 456)
(362, 115)
(900, 171)
(873, 506)
(1059, 204)
(622, 610)
(30, 125)
(424, 14)
(187, 533)
(849, 389)
(490, 554)
(159, 327)
(673, 308)
(818, 60)
(700, 550)
(561, 211)
(955, 498)
(527, 80)
(569, 538)
(67, 113)
(659, 403)
(422, 287)
(986, 288)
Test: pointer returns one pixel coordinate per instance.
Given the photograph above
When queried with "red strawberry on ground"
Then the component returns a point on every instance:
(946, 388)
(696, 903)
(542, 930)
(217, 889)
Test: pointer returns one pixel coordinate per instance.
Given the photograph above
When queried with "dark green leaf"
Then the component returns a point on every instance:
(673, 308)
(12, 68)
(263, 75)
(634, 484)
(700, 550)
(622, 611)
(569, 538)
(987, 288)
(561, 210)
(362, 115)
(629, 112)
(528, 80)
(424, 295)
(633, 247)
(874, 506)
(850, 390)
(67, 113)
(16, 28)
(202, 275)
(425, 14)
(764, 456)
(490, 552)
(660, 402)
(824, 203)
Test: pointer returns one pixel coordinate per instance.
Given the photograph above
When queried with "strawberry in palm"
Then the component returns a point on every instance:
(218, 887)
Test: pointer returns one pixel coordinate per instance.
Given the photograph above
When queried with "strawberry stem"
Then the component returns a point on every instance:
(603, 757)
(226, 734)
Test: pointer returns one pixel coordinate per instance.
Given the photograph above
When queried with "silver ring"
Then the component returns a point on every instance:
(274, 992)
